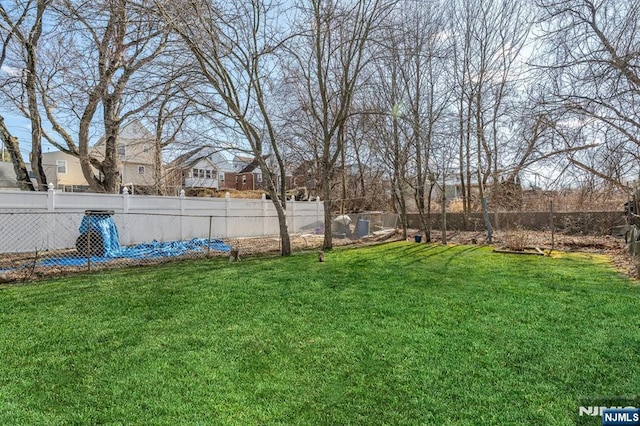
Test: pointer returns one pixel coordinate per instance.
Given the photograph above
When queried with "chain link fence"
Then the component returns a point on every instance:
(355, 226)
(39, 244)
(36, 244)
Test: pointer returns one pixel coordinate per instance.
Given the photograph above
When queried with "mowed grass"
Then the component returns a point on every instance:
(393, 334)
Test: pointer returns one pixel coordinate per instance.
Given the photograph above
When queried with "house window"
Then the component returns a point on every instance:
(259, 177)
(201, 173)
(121, 150)
(62, 166)
(208, 174)
(145, 149)
(195, 173)
(221, 177)
(244, 179)
(140, 170)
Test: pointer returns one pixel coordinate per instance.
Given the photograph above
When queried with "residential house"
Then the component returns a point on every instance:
(206, 167)
(56, 168)
(240, 162)
(203, 167)
(135, 161)
(65, 172)
(248, 174)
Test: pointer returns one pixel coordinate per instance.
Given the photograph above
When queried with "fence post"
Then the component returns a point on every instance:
(227, 200)
(319, 213)
(88, 240)
(125, 199)
(51, 207)
(209, 239)
(292, 216)
(51, 198)
(553, 226)
(182, 209)
(265, 213)
(125, 209)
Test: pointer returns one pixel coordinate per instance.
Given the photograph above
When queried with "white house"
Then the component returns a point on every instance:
(204, 167)
(135, 161)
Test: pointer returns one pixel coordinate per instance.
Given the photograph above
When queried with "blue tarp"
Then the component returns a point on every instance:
(105, 225)
(172, 248)
(153, 249)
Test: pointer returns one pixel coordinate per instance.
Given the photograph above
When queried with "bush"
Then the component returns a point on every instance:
(517, 239)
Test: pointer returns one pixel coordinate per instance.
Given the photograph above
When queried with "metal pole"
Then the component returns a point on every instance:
(444, 208)
(88, 241)
(209, 240)
(553, 227)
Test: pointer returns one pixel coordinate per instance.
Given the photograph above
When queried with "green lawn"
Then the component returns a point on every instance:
(401, 333)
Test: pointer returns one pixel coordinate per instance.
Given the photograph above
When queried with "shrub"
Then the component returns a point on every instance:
(517, 239)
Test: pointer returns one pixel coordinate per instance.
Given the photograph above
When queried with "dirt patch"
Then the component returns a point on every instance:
(304, 242)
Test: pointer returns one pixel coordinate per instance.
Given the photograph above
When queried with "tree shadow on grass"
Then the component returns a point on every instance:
(457, 255)
(412, 254)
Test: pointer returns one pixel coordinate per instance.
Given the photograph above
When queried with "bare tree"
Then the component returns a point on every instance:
(591, 55)
(330, 55)
(86, 68)
(173, 111)
(426, 86)
(29, 45)
(488, 37)
(234, 45)
(15, 29)
(122, 41)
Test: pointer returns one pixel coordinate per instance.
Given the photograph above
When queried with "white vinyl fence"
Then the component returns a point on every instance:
(50, 220)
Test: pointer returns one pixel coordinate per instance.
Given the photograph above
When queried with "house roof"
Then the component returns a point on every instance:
(254, 164)
(190, 158)
(132, 131)
(242, 159)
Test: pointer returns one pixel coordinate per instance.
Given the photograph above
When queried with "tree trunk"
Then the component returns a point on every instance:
(36, 125)
(285, 249)
(13, 148)
(159, 184)
(158, 173)
(344, 168)
(285, 239)
(30, 86)
(327, 244)
(83, 142)
(280, 203)
(403, 215)
(111, 163)
(398, 174)
(400, 202)
(463, 185)
(444, 206)
(428, 216)
(487, 220)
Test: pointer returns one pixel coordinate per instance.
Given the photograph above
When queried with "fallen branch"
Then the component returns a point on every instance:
(507, 251)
